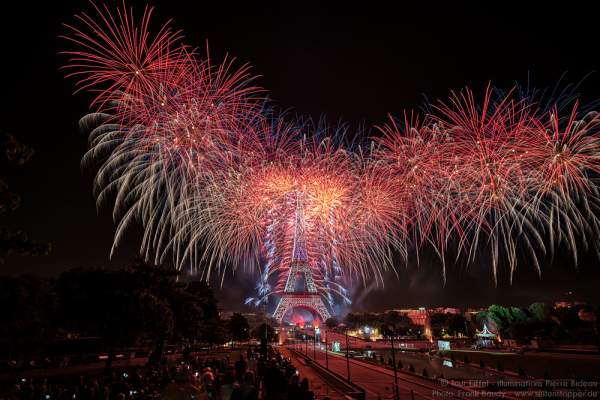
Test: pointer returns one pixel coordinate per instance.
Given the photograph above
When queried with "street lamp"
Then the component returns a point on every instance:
(314, 344)
(305, 345)
(326, 351)
(392, 333)
(347, 353)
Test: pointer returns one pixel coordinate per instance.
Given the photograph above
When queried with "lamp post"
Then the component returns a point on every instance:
(396, 394)
(314, 344)
(347, 356)
(305, 345)
(326, 351)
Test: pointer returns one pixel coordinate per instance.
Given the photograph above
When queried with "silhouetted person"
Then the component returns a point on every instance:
(240, 368)
(248, 387)
(294, 391)
(227, 388)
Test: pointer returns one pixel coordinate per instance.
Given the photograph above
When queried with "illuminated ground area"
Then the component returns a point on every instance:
(300, 317)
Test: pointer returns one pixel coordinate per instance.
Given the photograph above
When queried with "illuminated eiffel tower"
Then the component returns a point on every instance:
(307, 297)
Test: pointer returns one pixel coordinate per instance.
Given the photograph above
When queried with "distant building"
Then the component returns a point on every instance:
(445, 310)
(471, 313)
(419, 316)
(568, 304)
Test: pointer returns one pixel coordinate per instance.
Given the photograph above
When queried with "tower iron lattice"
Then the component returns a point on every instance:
(307, 296)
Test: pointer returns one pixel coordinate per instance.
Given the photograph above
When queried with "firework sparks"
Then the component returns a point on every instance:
(188, 149)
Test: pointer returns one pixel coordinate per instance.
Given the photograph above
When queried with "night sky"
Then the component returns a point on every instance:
(349, 62)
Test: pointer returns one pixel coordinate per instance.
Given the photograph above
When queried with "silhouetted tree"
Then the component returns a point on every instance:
(539, 311)
(456, 324)
(238, 328)
(214, 331)
(264, 331)
(14, 154)
(96, 302)
(209, 329)
(438, 322)
(395, 323)
(353, 320)
(141, 303)
(27, 315)
(331, 322)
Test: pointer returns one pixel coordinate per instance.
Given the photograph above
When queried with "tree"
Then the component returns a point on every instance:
(456, 324)
(518, 315)
(163, 304)
(208, 328)
(500, 316)
(141, 303)
(396, 322)
(109, 304)
(264, 330)
(214, 331)
(353, 320)
(238, 328)
(331, 322)
(159, 329)
(14, 154)
(438, 323)
(449, 323)
(525, 330)
(539, 311)
(27, 315)
(371, 319)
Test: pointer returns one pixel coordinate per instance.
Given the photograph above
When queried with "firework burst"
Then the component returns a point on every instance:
(502, 175)
(188, 149)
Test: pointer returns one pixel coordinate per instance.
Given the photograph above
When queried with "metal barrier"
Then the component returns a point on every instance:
(349, 389)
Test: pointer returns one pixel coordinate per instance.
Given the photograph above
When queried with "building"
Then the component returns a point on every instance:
(471, 313)
(568, 304)
(419, 316)
(445, 310)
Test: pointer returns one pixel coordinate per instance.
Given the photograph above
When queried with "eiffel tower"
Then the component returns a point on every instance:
(308, 297)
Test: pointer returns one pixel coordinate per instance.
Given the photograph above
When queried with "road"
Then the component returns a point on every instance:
(378, 382)
(318, 385)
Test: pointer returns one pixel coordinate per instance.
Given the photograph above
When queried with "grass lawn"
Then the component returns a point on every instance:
(535, 364)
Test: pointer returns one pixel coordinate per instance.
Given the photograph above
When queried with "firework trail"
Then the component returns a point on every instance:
(190, 150)
(504, 174)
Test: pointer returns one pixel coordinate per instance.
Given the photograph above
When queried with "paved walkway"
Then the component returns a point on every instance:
(318, 384)
(378, 382)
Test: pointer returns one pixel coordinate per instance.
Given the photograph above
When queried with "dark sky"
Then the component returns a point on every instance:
(354, 62)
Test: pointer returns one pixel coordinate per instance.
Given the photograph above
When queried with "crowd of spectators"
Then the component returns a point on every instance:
(254, 375)
(131, 383)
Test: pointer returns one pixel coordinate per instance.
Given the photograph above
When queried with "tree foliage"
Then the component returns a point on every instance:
(238, 328)
(135, 305)
(27, 315)
(332, 322)
(14, 154)
(264, 330)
